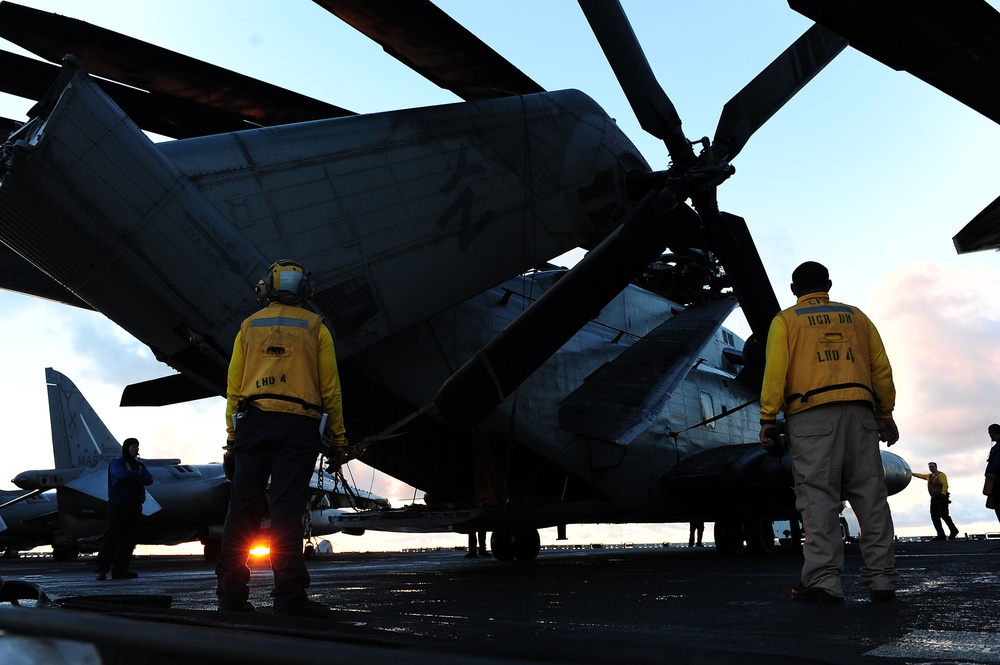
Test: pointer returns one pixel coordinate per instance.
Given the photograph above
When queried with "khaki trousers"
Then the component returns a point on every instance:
(835, 456)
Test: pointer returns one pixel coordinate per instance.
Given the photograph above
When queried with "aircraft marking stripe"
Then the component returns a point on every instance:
(280, 321)
(955, 646)
(825, 308)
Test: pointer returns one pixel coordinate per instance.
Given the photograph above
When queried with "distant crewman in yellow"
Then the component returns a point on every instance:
(283, 389)
(937, 487)
(828, 371)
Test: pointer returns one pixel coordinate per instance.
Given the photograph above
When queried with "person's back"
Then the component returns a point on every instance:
(828, 371)
(283, 401)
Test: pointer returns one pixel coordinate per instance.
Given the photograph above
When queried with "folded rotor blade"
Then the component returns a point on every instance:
(752, 106)
(434, 45)
(622, 398)
(655, 111)
(510, 358)
(25, 77)
(168, 116)
(982, 233)
(732, 243)
(953, 45)
(120, 58)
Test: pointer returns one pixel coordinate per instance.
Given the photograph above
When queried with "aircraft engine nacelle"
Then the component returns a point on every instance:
(897, 472)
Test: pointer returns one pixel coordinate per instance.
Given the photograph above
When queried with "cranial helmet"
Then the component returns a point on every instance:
(285, 282)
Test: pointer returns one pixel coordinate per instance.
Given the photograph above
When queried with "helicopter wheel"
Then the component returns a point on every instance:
(526, 544)
(502, 545)
(759, 534)
(65, 552)
(523, 545)
(729, 537)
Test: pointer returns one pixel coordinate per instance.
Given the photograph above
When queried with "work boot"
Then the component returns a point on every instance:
(812, 594)
(954, 535)
(309, 609)
(101, 576)
(237, 607)
(940, 537)
(124, 575)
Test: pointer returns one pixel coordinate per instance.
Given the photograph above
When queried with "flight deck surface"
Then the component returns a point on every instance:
(628, 605)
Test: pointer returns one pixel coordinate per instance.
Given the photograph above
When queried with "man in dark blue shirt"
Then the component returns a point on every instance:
(127, 480)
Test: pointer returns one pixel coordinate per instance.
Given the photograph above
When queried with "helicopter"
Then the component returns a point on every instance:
(519, 395)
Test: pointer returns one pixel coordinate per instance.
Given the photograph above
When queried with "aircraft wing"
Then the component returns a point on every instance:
(428, 41)
(96, 485)
(622, 398)
(414, 519)
(954, 46)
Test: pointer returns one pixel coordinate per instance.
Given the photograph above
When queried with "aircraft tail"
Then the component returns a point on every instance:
(79, 438)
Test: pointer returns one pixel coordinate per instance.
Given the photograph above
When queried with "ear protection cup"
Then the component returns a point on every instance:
(285, 282)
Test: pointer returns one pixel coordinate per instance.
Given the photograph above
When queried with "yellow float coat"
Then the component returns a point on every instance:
(820, 351)
(283, 360)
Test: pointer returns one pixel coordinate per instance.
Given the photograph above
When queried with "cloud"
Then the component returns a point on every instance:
(940, 326)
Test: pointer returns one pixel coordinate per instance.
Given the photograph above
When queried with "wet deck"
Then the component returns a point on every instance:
(588, 606)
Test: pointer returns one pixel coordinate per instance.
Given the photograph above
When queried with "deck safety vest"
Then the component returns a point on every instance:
(281, 350)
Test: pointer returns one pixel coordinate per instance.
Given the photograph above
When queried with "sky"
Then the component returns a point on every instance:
(867, 170)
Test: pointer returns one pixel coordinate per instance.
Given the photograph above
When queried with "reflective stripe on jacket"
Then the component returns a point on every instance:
(283, 360)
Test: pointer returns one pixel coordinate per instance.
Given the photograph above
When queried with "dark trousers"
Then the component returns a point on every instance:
(284, 447)
(939, 513)
(120, 534)
(482, 542)
(696, 531)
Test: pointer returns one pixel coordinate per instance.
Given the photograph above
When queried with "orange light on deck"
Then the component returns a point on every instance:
(260, 550)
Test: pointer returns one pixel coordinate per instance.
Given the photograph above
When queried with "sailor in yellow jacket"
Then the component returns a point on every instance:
(828, 371)
(283, 401)
(937, 487)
